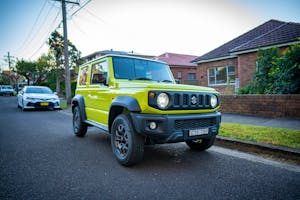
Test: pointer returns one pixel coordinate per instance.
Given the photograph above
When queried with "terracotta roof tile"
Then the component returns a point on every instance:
(270, 33)
(177, 59)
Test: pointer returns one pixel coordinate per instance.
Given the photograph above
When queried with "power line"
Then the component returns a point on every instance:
(36, 20)
(48, 32)
(44, 24)
(95, 16)
(81, 7)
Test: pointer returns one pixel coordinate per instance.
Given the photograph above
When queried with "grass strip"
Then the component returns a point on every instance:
(262, 134)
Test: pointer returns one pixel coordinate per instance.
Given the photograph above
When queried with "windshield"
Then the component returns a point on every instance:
(39, 90)
(138, 69)
(7, 87)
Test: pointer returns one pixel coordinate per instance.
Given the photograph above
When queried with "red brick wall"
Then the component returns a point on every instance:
(262, 105)
(203, 76)
(184, 71)
(246, 67)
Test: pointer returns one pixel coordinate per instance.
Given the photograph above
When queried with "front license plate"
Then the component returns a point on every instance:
(44, 103)
(195, 132)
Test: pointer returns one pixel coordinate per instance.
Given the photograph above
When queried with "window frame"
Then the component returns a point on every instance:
(92, 73)
(215, 76)
(194, 74)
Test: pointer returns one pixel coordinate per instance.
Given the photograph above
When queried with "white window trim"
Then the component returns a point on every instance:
(219, 84)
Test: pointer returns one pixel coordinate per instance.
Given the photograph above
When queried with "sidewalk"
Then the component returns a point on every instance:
(262, 121)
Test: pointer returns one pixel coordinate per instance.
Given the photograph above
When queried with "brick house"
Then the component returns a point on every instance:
(182, 68)
(230, 66)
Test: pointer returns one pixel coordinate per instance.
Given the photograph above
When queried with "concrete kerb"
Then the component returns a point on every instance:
(269, 147)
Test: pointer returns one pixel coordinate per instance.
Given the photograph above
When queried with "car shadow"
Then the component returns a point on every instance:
(175, 155)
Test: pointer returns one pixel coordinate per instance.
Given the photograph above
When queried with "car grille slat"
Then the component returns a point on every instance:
(194, 123)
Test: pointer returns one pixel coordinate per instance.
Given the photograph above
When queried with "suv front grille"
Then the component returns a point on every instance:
(194, 123)
(185, 100)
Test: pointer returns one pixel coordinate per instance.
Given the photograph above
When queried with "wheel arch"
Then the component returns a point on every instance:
(119, 105)
(78, 100)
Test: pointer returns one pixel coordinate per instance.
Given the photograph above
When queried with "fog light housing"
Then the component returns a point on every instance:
(152, 125)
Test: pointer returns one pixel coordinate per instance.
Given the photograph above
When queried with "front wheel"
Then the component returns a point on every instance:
(127, 145)
(79, 127)
(201, 144)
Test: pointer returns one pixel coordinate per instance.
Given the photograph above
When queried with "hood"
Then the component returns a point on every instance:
(165, 86)
(41, 96)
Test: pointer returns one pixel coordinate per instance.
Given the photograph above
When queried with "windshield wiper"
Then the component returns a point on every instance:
(167, 81)
(142, 78)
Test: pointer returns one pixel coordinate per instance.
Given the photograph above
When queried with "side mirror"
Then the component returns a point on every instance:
(55, 93)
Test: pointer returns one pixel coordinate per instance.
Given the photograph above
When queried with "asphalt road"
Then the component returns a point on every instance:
(40, 158)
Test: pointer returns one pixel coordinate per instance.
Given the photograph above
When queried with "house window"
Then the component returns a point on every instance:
(179, 75)
(221, 75)
(191, 76)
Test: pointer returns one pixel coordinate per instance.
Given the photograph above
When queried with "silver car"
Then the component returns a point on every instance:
(32, 97)
(6, 90)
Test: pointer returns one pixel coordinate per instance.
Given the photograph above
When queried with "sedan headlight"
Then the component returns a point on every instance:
(162, 100)
(29, 98)
(213, 101)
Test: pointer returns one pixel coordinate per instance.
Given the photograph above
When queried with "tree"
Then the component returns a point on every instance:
(35, 71)
(5, 80)
(55, 43)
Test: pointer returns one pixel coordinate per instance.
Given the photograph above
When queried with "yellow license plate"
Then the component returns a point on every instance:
(44, 103)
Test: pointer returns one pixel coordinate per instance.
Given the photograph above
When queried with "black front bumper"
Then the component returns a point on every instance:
(175, 128)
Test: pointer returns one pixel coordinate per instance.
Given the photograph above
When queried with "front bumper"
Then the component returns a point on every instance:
(175, 128)
(28, 104)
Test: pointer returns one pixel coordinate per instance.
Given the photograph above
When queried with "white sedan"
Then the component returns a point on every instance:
(38, 97)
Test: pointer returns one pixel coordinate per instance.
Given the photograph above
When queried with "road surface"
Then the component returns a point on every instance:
(41, 158)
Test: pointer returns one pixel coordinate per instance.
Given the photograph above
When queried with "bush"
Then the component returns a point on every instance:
(276, 73)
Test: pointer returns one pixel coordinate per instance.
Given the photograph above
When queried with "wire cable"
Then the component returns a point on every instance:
(35, 22)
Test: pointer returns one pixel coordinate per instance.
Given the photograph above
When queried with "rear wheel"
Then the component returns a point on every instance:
(201, 144)
(79, 127)
(127, 145)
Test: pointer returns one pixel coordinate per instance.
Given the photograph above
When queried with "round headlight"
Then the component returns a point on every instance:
(162, 100)
(213, 101)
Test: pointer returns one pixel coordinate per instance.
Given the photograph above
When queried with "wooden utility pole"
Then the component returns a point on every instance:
(66, 51)
(8, 60)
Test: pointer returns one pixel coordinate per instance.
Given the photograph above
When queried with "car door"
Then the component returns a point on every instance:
(98, 95)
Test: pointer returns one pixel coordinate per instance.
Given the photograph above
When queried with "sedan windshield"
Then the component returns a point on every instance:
(39, 90)
(138, 69)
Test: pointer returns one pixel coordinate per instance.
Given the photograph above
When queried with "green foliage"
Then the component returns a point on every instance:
(35, 71)
(276, 73)
(56, 46)
(5, 80)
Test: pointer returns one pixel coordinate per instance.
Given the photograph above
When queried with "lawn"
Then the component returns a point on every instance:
(269, 135)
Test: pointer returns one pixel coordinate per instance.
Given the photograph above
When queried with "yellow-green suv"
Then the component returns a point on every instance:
(138, 102)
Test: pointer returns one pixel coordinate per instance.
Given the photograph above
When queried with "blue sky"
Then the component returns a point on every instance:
(144, 26)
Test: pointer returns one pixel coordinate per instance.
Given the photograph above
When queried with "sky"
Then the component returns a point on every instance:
(150, 27)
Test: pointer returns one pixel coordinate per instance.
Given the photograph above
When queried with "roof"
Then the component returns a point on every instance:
(272, 32)
(112, 52)
(177, 59)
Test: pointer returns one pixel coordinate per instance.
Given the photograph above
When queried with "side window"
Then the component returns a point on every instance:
(83, 76)
(99, 73)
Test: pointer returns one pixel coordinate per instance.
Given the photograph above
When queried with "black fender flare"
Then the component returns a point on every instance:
(79, 100)
(118, 104)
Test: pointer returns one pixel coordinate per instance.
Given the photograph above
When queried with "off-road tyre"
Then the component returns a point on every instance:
(79, 127)
(127, 145)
